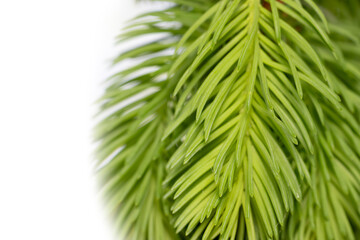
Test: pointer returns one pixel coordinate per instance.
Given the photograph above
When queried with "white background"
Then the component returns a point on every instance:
(53, 57)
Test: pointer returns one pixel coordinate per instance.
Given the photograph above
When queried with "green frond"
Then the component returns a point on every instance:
(131, 150)
(241, 121)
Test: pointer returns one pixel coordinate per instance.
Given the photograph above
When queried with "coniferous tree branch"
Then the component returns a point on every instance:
(244, 126)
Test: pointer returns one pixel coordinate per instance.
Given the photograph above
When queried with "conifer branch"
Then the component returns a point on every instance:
(245, 124)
